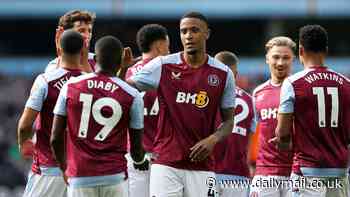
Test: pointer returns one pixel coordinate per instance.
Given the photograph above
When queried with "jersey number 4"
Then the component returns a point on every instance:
(107, 123)
(320, 93)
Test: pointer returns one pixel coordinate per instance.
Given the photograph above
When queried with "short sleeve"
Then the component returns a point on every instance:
(256, 115)
(60, 107)
(38, 94)
(287, 98)
(228, 97)
(136, 113)
(149, 76)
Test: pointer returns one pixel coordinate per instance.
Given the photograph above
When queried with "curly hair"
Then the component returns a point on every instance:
(148, 34)
(67, 20)
(313, 38)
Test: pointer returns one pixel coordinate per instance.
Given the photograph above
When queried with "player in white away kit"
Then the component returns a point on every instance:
(272, 165)
(98, 109)
(45, 179)
(153, 41)
(192, 87)
(314, 114)
(231, 162)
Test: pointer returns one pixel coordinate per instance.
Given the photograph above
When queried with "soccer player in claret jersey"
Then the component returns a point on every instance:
(82, 22)
(98, 109)
(153, 41)
(272, 165)
(231, 161)
(192, 87)
(45, 178)
(316, 101)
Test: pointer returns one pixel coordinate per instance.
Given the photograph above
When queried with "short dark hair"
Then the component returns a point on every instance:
(67, 20)
(148, 34)
(109, 52)
(313, 38)
(71, 42)
(227, 57)
(197, 15)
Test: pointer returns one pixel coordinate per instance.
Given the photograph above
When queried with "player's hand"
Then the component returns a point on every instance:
(143, 167)
(26, 149)
(203, 148)
(128, 58)
(281, 144)
(65, 178)
(85, 49)
(59, 32)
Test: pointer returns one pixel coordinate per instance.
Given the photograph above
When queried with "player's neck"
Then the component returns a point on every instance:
(314, 63)
(149, 55)
(276, 81)
(107, 72)
(195, 60)
(70, 62)
(314, 60)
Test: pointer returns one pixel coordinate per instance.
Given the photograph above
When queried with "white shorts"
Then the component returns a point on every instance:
(320, 186)
(172, 182)
(270, 186)
(229, 192)
(44, 186)
(117, 190)
(138, 180)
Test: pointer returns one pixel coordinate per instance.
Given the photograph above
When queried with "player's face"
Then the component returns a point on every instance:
(85, 29)
(280, 59)
(163, 46)
(194, 33)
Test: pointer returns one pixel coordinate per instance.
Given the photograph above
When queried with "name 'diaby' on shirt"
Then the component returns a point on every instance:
(107, 86)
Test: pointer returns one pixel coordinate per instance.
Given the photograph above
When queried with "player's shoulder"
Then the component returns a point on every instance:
(261, 87)
(174, 58)
(52, 65)
(217, 64)
(53, 74)
(125, 86)
(346, 79)
(298, 75)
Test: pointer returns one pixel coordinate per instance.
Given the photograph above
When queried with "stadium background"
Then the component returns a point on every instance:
(243, 27)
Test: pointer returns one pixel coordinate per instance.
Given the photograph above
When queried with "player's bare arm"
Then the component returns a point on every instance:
(57, 139)
(136, 149)
(283, 130)
(203, 148)
(25, 125)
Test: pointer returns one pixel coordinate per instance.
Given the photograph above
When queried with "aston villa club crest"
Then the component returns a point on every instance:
(213, 80)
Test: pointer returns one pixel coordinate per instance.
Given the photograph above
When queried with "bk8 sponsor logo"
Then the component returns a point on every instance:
(269, 113)
(200, 99)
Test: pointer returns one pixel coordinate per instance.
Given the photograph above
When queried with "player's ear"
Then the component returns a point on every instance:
(301, 50)
(208, 33)
(267, 58)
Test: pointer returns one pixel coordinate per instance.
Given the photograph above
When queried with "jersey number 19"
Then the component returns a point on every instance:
(107, 123)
